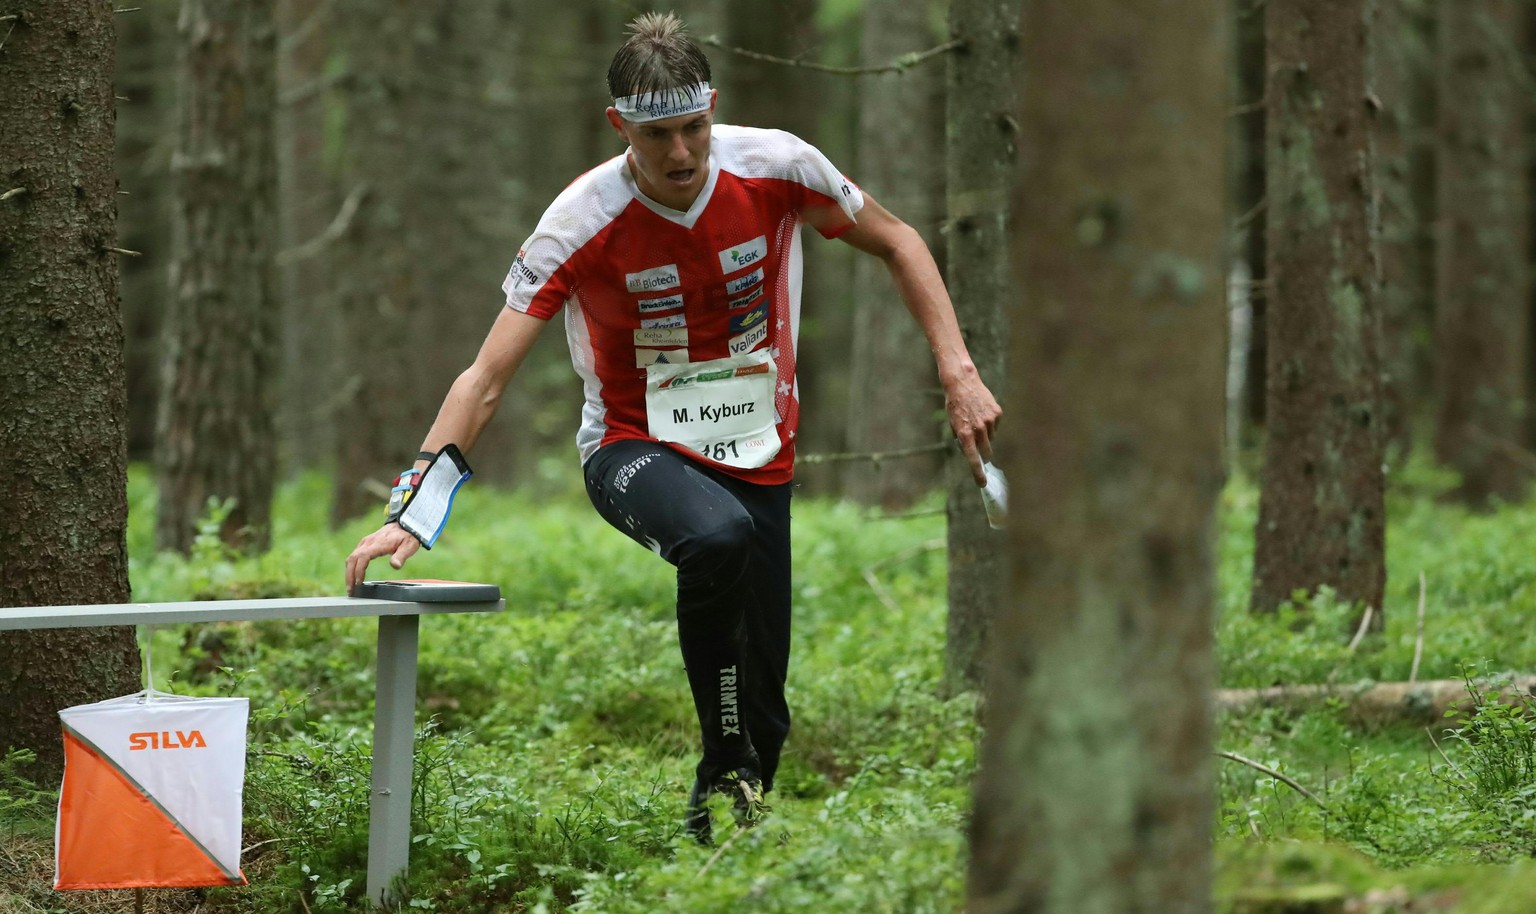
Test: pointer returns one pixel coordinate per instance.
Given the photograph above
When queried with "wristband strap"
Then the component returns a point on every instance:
(400, 495)
(426, 455)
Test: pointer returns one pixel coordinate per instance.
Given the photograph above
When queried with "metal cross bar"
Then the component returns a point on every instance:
(394, 712)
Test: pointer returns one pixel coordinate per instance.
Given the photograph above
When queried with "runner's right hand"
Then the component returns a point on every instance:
(388, 540)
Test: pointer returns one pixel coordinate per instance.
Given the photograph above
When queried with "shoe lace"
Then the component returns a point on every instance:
(751, 805)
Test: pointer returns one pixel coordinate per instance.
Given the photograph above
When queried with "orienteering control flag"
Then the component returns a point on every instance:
(152, 792)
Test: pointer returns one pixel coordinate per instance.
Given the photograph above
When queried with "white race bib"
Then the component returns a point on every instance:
(722, 408)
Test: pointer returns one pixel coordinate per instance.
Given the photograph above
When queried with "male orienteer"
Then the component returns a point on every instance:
(677, 266)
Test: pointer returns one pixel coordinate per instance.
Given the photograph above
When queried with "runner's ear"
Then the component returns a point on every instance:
(616, 122)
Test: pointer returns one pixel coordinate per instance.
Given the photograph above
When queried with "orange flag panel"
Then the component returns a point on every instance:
(113, 836)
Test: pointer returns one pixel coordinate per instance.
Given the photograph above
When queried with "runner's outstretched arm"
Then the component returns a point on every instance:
(469, 406)
(973, 411)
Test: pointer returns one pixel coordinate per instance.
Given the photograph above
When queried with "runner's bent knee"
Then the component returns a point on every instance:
(716, 556)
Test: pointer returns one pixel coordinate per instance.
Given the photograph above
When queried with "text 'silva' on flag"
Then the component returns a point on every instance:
(152, 792)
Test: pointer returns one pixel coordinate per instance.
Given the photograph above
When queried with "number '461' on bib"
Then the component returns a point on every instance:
(722, 408)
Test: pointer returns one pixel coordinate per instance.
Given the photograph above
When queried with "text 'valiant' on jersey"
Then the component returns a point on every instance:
(750, 340)
(744, 255)
(655, 279)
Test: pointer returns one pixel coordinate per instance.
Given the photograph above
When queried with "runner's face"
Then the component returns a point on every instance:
(669, 157)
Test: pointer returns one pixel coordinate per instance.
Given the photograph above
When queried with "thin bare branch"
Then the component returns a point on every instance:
(1243, 220)
(306, 28)
(1289, 782)
(1365, 624)
(13, 192)
(897, 559)
(875, 457)
(126, 252)
(1436, 743)
(336, 229)
(901, 64)
(312, 89)
(716, 856)
(1418, 644)
(880, 591)
(1249, 108)
(128, 9)
(907, 515)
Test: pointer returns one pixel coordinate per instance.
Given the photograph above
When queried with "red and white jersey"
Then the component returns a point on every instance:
(643, 284)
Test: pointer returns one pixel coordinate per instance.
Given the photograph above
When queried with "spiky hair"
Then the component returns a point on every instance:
(658, 55)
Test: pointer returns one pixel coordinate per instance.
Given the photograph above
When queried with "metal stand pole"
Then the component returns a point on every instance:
(394, 725)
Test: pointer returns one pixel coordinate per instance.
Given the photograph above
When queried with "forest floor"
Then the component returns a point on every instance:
(556, 746)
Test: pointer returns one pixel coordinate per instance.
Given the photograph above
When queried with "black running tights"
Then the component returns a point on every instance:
(730, 542)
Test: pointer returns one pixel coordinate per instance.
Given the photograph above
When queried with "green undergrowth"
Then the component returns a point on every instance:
(557, 739)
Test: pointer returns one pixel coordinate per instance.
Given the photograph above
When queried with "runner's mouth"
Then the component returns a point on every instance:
(681, 176)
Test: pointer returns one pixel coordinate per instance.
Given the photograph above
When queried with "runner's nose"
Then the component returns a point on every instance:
(678, 151)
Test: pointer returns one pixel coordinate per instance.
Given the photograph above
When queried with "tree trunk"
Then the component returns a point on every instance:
(459, 196)
(1482, 326)
(146, 139)
(981, 151)
(1251, 203)
(894, 395)
(311, 199)
(215, 432)
(384, 413)
(1095, 793)
(1404, 62)
(1321, 514)
(827, 320)
(62, 419)
(762, 94)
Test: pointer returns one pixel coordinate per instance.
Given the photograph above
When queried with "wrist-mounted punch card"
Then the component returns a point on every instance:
(426, 514)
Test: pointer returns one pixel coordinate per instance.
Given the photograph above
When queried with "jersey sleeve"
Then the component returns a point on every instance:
(550, 264)
(827, 187)
(540, 279)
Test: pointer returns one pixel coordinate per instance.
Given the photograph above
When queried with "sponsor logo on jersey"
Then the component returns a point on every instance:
(745, 300)
(652, 305)
(671, 320)
(742, 284)
(520, 272)
(167, 739)
(741, 256)
(750, 340)
(748, 319)
(662, 336)
(647, 357)
(745, 370)
(653, 280)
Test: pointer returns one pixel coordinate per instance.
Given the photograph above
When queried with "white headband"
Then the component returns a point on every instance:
(653, 106)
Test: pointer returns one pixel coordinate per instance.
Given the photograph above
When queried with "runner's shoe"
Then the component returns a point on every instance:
(745, 788)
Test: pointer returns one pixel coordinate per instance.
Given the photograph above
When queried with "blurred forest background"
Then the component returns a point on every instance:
(1264, 284)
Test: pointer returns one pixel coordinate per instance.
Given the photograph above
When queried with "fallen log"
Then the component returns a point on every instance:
(1380, 703)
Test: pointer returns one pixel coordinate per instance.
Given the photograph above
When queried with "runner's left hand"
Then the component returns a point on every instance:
(973, 417)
